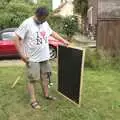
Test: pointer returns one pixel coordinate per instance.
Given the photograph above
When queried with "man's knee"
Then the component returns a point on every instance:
(45, 76)
(32, 81)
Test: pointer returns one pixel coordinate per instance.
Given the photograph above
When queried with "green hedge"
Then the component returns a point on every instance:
(15, 11)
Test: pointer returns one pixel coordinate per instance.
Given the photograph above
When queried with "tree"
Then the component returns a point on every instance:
(4, 3)
(81, 6)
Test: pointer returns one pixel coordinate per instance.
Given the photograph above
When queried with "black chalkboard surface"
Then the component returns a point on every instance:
(70, 72)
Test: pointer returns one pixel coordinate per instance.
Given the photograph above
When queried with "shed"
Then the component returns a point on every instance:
(106, 16)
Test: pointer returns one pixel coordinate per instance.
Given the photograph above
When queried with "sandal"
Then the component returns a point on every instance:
(35, 105)
(50, 98)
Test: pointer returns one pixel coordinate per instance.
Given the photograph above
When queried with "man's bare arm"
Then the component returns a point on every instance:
(18, 44)
(58, 37)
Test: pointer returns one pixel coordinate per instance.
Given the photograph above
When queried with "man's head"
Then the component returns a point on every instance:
(41, 14)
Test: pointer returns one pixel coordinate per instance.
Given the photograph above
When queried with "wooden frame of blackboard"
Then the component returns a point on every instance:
(81, 77)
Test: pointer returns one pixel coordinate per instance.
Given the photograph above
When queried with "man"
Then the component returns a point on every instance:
(32, 44)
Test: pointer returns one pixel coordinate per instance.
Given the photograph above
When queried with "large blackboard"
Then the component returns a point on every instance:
(70, 72)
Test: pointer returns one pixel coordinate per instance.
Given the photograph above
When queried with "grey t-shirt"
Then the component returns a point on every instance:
(35, 40)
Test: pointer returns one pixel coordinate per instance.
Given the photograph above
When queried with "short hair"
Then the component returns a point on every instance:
(41, 11)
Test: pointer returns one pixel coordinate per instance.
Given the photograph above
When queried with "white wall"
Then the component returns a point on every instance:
(55, 4)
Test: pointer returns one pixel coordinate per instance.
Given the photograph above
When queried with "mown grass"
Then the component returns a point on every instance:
(100, 97)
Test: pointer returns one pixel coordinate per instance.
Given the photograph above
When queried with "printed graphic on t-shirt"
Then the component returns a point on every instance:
(38, 39)
(41, 38)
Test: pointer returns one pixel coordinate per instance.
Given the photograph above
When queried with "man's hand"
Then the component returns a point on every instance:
(58, 37)
(24, 59)
(66, 43)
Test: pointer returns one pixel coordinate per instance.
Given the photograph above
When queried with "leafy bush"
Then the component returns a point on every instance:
(66, 26)
(14, 11)
(56, 23)
(70, 25)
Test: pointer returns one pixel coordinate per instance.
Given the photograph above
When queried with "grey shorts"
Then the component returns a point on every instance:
(35, 69)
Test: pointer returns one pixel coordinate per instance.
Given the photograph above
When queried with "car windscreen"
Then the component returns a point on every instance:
(7, 35)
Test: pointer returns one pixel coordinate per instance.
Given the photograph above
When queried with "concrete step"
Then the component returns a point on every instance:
(81, 40)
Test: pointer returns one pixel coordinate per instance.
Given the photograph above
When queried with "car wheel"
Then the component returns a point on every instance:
(53, 52)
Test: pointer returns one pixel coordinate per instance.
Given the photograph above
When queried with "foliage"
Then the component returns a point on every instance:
(56, 23)
(81, 6)
(4, 3)
(14, 11)
(99, 59)
(70, 25)
(67, 26)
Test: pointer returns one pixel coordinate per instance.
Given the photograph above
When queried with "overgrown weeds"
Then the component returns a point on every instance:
(100, 59)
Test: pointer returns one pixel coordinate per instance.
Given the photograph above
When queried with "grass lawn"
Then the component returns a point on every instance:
(100, 98)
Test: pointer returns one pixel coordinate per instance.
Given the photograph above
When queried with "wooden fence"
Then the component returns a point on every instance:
(108, 35)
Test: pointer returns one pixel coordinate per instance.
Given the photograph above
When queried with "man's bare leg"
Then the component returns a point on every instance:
(31, 91)
(45, 81)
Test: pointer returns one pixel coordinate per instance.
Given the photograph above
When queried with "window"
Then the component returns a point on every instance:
(7, 35)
